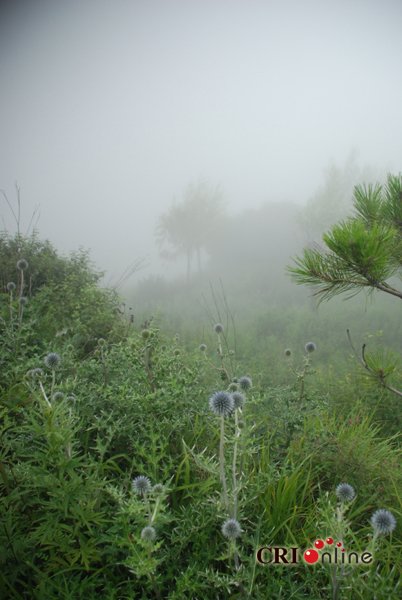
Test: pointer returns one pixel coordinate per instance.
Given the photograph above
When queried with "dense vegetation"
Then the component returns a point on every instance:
(116, 460)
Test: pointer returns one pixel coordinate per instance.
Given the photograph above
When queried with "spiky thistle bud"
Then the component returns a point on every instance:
(141, 485)
(176, 352)
(22, 301)
(202, 348)
(11, 286)
(70, 348)
(239, 399)
(383, 521)
(345, 492)
(218, 328)
(287, 352)
(221, 403)
(148, 534)
(244, 383)
(101, 342)
(58, 396)
(158, 489)
(310, 347)
(52, 360)
(22, 264)
(145, 334)
(231, 529)
(233, 387)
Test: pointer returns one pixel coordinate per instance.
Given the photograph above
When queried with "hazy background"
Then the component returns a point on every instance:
(109, 109)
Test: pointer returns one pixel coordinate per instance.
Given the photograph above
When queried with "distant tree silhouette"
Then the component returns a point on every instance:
(185, 228)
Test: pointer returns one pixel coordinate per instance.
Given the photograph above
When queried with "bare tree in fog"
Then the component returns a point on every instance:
(185, 228)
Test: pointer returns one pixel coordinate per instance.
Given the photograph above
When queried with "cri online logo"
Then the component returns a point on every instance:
(311, 556)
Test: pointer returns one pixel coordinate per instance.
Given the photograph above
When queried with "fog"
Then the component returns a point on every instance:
(108, 110)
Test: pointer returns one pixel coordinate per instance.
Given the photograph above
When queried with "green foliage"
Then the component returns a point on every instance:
(363, 252)
(133, 406)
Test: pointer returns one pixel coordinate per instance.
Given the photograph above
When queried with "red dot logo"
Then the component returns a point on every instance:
(319, 544)
(311, 556)
(339, 544)
(330, 541)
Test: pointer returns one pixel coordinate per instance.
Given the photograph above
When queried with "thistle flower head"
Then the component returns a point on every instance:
(148, 534)
(158, 489)
(238, 399)
(145, 334)
(176, 352)
(142, 485)
(177, 337)
(244, 383)
(383, 521)
(71, 400)
(310, 347)
(11, 286)
(231, 529)
(163, 347)
(22, 301)
(287, 352)
(221, 403)
(218, 328)
(22, 264)
(70, 348)
(101, 342)
(52, 360)
(233, 387)
(202, 348)
(58, 396)
(345, 492)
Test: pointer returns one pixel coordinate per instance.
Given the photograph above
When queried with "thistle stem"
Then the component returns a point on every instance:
(221, 461)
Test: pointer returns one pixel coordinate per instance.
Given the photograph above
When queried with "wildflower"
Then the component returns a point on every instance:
(58, 396)
(145, 334)
(345, 492)
(218, 328)
(244, 383)
(101, 342)
(148, 534)
(287, 352)
(310, 347)
(233, 387)
(22, 301)
(176, 352)
(22, 264)
(11, 286)
(202, 348)
(141, 485)
(238, 399)
(383, 521)
(70, 348)
(231, 529)
(52, 360)
(158, 489)
(221, 403)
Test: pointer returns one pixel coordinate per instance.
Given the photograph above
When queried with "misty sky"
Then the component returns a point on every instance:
(108, 109)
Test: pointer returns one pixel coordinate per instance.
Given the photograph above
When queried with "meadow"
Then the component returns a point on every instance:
(154, 456)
